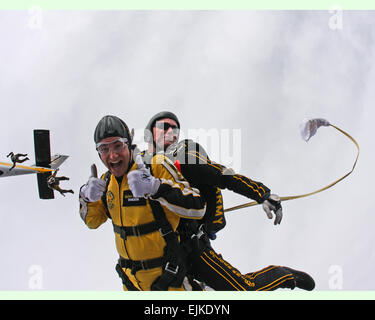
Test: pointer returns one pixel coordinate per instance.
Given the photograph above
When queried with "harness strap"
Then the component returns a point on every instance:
(136, 265)
(107, 178)
(171, 276)
(137, 231)
(165, 227)
(125, 280)
(174, 267)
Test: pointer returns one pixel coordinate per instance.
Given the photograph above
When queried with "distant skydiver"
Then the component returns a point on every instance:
(53, 183)
(16, 158)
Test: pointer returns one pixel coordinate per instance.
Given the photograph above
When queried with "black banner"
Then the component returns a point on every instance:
(185, 309)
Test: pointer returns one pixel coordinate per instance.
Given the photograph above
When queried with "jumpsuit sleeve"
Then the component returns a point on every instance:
(175, 193)
(93, 214)
(200, 169)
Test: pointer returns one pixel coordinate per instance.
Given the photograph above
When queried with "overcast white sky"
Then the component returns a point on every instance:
(254, 74)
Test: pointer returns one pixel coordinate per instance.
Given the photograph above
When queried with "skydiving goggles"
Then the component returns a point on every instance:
(117, 146)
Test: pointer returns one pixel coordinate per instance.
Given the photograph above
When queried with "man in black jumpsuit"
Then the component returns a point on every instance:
(209, 177)
(16, 158)
(53, 183)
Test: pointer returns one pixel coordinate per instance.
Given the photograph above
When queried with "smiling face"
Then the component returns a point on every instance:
(115, 154)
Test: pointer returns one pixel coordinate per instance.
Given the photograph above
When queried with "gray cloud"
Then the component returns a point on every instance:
(258, 71)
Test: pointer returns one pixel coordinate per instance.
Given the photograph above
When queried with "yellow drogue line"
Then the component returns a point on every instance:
(38, 169)
(253, 203)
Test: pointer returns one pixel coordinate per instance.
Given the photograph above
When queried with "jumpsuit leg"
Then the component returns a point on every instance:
(18, 155)
(23, 160)
(210, 268)
(272, 278)
(57, 188)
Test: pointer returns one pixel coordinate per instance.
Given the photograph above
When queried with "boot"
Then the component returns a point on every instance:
(302, 279)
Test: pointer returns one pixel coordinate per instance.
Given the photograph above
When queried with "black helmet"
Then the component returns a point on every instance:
(161, 115)
(112, 126)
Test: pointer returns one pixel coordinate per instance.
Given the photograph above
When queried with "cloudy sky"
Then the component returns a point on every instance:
(244, 80)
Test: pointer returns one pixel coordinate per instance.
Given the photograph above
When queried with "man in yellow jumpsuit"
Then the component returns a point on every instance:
(145, 205)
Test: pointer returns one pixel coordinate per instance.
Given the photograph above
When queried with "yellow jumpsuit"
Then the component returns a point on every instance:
(177, 199)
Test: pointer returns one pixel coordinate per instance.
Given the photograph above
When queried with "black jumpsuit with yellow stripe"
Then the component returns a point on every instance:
(205, 264)
(128, 213)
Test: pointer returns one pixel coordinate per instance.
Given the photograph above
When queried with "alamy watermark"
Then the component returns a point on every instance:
(336, 279)
(335, 21)
(35, 18)
(222, 146)
(35, 277)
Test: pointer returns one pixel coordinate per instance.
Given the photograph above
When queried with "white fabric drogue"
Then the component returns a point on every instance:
(309, 127)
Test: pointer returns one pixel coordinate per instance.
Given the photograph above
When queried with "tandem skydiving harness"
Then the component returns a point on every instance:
(173, 261)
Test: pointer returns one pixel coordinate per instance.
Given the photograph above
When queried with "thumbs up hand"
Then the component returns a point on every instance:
(141, 182)
(139, 163)
(94, 171)
(93, 190)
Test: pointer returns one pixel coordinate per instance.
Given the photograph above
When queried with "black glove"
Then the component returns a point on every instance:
(273, 203)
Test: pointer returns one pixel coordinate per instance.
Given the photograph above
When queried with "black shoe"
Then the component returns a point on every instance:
(302, 279)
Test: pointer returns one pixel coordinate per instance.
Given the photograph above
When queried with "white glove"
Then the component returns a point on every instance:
(93, 190)
(141, 182)
(273, 203)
